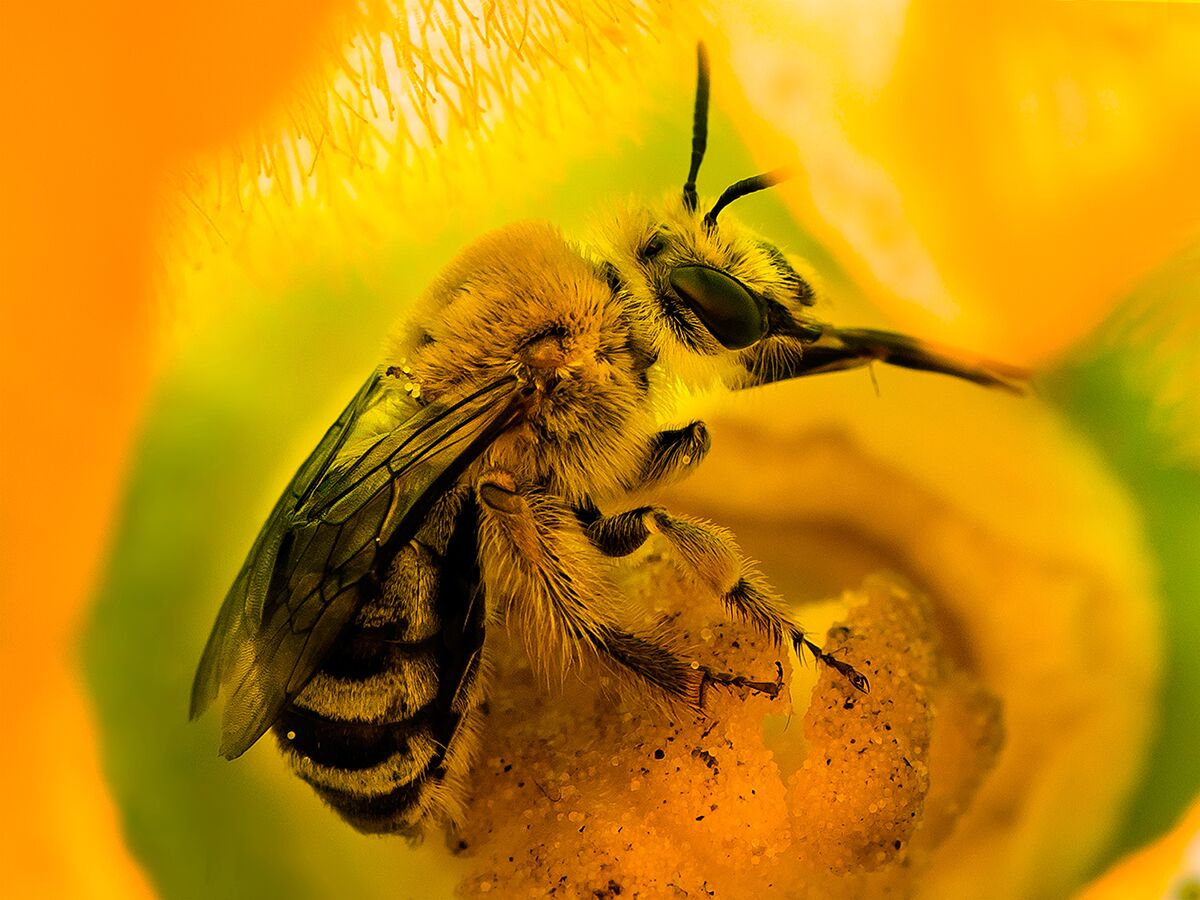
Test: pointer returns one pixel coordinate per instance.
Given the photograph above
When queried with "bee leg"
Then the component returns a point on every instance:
(752, 599)
(663, 668)
(538, 562)
(673, 454)
(728, 680)
(619, 534)
(712, 557)
(653, 663)
(787, 356)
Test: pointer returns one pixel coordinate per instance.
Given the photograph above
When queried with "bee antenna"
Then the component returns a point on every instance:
(699, 127)
(742, 188)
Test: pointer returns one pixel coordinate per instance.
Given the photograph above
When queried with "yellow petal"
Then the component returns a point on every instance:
(996, 174)
(1169, 867)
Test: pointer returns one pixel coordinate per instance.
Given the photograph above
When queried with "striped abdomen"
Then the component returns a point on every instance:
(384, 730)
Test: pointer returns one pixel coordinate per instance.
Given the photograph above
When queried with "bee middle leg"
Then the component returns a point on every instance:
(712, 557)
(540, 563)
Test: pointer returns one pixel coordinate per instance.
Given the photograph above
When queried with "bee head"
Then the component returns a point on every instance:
(708, 284)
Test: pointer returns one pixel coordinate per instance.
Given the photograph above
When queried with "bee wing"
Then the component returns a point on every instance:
(300, 582)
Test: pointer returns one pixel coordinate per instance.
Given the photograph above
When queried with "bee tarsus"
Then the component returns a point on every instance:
(771, 689)
(856, 678)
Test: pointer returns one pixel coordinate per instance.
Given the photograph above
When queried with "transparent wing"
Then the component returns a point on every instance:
(301, 582)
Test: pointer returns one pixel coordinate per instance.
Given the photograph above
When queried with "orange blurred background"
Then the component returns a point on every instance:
(99, 101)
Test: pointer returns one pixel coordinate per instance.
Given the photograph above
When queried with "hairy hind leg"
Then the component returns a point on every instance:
(711, 556)
(540, 564)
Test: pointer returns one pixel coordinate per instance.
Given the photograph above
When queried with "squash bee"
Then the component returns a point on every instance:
(478, 477)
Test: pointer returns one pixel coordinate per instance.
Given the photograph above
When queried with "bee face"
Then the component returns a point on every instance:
(705, 288)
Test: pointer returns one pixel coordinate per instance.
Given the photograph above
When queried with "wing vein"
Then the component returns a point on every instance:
(311, 566)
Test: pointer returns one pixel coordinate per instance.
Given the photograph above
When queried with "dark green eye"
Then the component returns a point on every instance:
(733, 315)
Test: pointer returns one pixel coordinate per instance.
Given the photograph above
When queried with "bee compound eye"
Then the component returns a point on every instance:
(731, 313)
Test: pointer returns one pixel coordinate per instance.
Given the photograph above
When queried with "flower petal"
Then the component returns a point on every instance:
(997, 174)
(1169, 867)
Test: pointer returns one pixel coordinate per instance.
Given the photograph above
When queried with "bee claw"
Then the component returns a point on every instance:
(856, 678)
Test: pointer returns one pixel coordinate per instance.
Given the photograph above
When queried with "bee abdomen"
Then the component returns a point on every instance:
(401, 682)
(320, 744)
(395, 811)
(379, 776)
(387, 777)
(384, 730)
(422, 776)
(373, 748)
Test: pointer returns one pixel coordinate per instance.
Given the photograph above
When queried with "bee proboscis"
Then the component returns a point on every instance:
(481, 476)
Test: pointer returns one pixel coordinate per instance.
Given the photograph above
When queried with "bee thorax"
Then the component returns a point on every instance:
(549, 352)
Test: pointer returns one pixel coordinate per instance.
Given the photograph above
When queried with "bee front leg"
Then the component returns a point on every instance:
(672, 455)
(787, 356)
(711, 556)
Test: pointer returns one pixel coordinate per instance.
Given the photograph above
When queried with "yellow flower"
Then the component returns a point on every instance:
(320, 153)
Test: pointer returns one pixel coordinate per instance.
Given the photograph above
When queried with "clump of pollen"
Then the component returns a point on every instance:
(604, 793)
